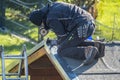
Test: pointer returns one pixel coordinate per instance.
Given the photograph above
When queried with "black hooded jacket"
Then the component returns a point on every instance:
(63, 17)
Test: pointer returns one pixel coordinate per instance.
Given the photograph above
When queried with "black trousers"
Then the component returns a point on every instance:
(74, 47)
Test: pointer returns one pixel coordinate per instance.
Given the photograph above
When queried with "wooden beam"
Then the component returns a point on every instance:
(33, 54)
(31, 58)
(37, 53)
(57, 65)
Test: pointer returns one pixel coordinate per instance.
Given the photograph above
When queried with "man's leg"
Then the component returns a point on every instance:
(73, 42)
(76, 48)
(100, 46)
(73, 52)
(69, 48)
(87, 53)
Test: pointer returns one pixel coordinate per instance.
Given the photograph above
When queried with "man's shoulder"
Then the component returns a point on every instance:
(62, 5)
(59, 2)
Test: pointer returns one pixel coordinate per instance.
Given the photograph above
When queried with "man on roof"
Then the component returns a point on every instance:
(72, 25)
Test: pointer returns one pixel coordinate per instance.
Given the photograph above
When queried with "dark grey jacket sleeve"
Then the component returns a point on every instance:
(57, 27)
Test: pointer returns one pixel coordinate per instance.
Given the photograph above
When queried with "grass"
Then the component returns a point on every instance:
(12, 45)
(23, 25)
(109, 15)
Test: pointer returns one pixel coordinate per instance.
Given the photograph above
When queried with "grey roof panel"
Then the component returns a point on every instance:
(106, 68)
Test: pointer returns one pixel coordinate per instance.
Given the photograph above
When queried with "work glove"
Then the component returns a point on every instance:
(51, 42)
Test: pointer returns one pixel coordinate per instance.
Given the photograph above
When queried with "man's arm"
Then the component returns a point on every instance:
(57, 27)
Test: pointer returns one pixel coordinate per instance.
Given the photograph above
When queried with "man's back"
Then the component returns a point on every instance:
(65, 10)
(69, 15)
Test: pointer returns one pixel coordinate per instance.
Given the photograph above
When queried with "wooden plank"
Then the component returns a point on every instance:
(57, 65)
(33, 54)
(37, 52)
(51, 71)
(41, 63)
(31, 58)
(45, 78)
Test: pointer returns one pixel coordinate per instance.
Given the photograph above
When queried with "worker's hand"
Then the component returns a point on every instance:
(51, 42)
(43, 31)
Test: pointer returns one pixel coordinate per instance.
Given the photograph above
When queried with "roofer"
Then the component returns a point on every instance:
(72, 25)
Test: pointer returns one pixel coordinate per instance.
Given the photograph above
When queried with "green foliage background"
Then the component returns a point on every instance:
(108, 14)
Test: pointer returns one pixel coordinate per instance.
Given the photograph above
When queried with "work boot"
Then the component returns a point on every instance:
(90, 53)
(101, 48)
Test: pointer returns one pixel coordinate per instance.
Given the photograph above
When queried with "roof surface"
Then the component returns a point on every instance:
(106, 68)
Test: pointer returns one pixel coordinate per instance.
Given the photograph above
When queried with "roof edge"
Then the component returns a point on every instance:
(29, 52)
